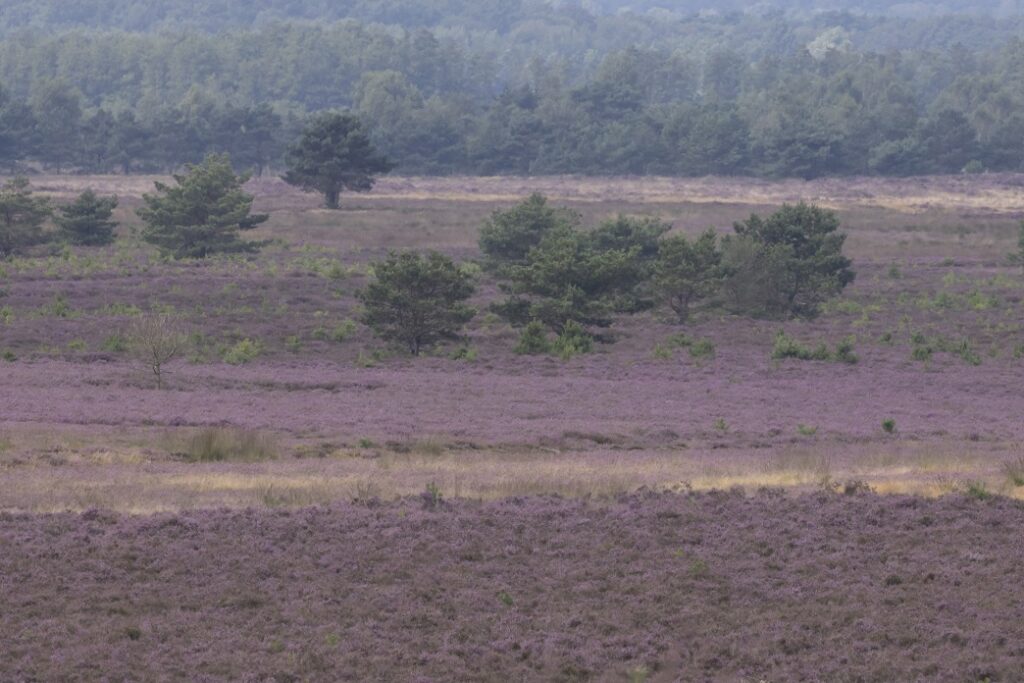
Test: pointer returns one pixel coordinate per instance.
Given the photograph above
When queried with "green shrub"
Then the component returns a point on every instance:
(889, 426)
(293, 344)
(807, 430)
(533, 340)
(245, 351)
(573, 341)
(87, 221)
(967, 353)
(115, 343)
(9, 356)
(922, 353)
(978, 490)
(662, 352)
(787, 347)
(343, 331)
(702, 348)
(844, 352)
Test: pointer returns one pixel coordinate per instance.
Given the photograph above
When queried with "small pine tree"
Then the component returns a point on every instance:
(507, 237)
(21, 217)
(687, 271)
(87, 221)
(334, 154)
(203, 214)
(416, 300)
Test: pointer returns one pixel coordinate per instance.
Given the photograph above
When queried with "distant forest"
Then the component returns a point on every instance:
(790, 88)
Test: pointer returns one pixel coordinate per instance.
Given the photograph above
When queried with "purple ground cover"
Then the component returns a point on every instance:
(540, 399)
(684, 588)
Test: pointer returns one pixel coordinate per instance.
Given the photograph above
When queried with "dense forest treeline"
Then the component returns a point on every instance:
(524, 88)
(498, 15)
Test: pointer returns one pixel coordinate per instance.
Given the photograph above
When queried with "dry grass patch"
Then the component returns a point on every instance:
(228, 444)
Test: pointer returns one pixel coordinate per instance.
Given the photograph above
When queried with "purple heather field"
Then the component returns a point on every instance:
(641, 513)
(652, 587)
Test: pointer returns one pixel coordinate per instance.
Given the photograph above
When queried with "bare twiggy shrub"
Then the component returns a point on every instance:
(155, 340)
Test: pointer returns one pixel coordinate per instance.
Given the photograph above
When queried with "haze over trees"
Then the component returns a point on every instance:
(519, 88)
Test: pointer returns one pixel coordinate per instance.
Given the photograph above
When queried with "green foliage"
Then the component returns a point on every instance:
(343, 331)
(807, 430)
(87, 221)
(432, 497)
(978, 490)
(507, 237)
(889, 425)
(702, 348)
(573, 341)
(687, 272)
(22, 216)
(416, 300)
(334, 154)
(800, 248)
(967, 353)
(787, 347)
(567, 277)
(922, 353)
(533, 340)
(673, 90)
(844, 352)
(242, 352)
(116, 343)
(203, 214)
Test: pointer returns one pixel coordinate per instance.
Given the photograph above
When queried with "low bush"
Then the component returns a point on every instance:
(787, 347)
(245, 351)
(573, 341)
(533, 340)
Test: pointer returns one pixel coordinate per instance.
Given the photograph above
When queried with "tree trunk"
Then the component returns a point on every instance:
(332, 196)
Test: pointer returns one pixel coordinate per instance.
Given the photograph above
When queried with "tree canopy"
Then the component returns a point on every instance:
(22, 216)
(87, 221)
(332, 155)
(417, 300)
(202, 214)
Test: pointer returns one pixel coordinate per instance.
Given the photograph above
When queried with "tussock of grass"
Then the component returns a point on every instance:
(220, 444)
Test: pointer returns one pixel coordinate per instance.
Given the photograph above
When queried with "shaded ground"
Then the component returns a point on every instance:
(652, 588)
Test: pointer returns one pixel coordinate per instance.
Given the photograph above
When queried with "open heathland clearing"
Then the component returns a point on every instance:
(293, 499)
